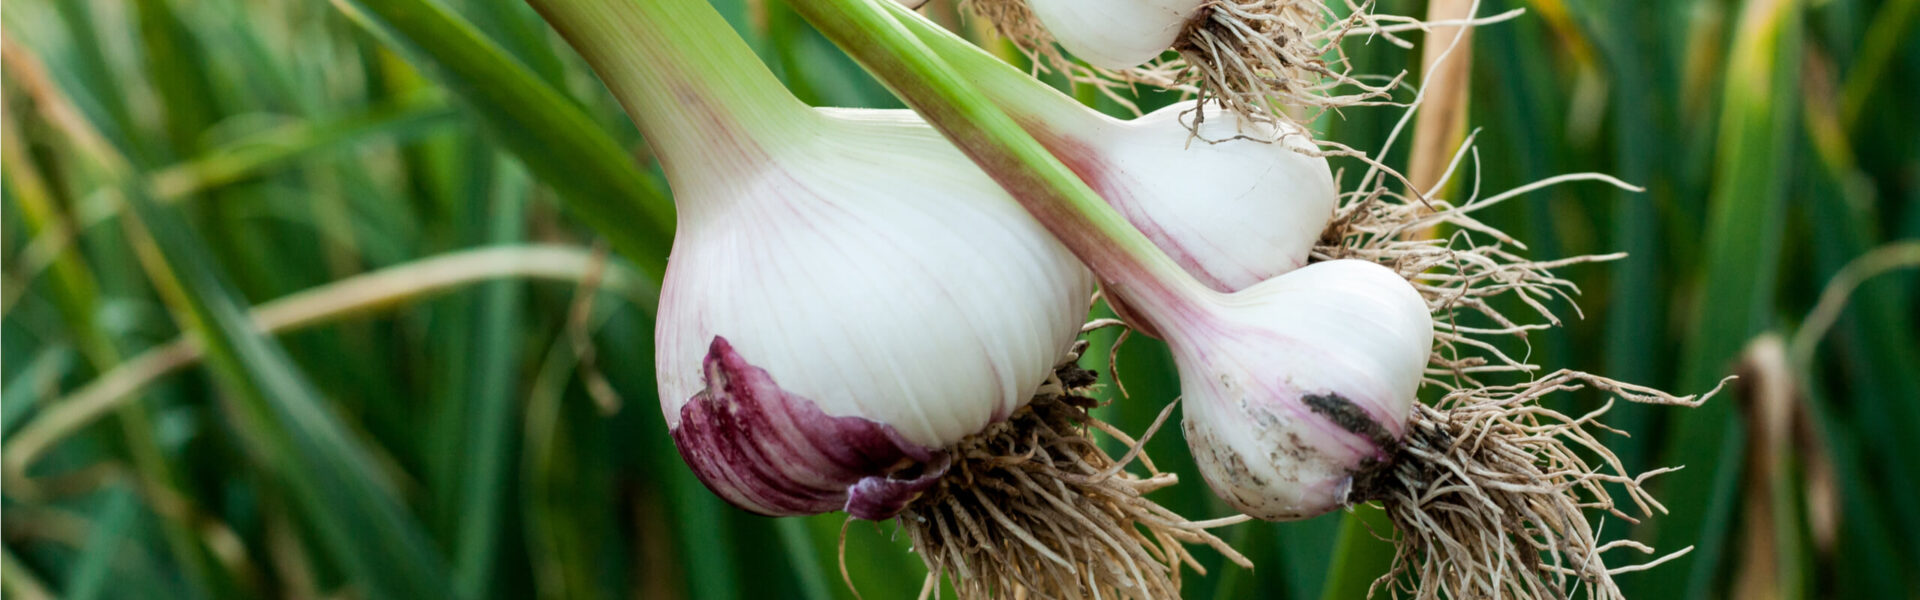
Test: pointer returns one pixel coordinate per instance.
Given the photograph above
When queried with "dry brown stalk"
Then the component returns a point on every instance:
(1442, 123)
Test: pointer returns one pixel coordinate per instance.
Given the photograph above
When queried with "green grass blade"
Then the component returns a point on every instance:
(1635, 308)
(1871, 567)
(495, 386)
(107, 110)
(22, 394)
(1359, 557)
(1874, 349)
(93, 573)
(548, 132)
(78, 299)
(361, 523)
(176, 65)
(1743, 244)
(807, 566)
(258, 153)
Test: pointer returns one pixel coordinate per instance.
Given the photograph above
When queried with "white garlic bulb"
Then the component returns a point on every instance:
(860, 300)
(1115, 34)
(1233, 202)
(1293, 387)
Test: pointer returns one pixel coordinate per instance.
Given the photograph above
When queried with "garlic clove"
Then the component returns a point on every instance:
(1305, 382)
(1114, 34)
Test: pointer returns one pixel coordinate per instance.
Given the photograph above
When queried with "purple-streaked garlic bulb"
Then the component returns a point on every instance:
(827, 327)
(847, 294)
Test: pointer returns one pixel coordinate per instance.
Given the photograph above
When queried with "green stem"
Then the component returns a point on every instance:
(1124, 258)
(705, 103)
(704, 100)
(1038, 107)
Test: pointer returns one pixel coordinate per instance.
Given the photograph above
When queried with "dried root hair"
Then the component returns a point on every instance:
(1033, 508)
(1260, 58)
(1266, 60)
(1491, 492)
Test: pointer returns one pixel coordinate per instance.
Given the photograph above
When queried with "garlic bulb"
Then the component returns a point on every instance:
(1242, 203)
(828, 307)
(1234, 201)
(847, 294)
(1301, 391)
(1292, 386)
(1115, 34)
(1249, 57)
(1304, 382)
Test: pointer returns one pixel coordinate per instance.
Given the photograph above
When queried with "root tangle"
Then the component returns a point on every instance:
(1490, 492)
(1032, 508)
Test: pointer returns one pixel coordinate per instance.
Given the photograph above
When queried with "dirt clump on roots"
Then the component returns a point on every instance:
(1033, 508)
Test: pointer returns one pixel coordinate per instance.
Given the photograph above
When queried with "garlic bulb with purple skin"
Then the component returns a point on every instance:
(820, 335)
(856, 317)
(1306, 385)
(847, 295)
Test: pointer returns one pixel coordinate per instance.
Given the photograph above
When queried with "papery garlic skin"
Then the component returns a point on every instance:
(1304, 382)
(872, 272)
(1115, 34)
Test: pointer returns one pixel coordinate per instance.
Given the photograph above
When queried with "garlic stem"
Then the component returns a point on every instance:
(1097, 234)
(1031, 102)
(704, 102)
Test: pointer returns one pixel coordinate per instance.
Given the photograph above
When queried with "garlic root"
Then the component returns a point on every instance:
(1489, 494)
(1033, 508)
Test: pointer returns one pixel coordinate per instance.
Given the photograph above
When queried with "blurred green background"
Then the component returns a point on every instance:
(417, 198)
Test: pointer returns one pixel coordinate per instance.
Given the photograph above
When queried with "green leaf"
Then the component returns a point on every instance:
(548, 132)
(494, 387)
(1359, 558)
(22, 394)
(361, 522)
(1743, 242)
(94, 573)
